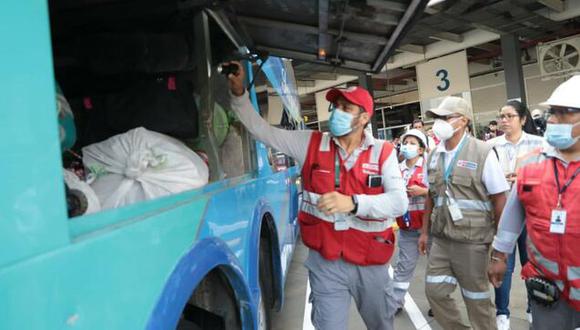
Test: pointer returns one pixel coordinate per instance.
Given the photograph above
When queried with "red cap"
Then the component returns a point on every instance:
(355, 95)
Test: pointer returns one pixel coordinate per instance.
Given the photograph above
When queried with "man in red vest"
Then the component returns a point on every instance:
(353, 191)
(547, 201)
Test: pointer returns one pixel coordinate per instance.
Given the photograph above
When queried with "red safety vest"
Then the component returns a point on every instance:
(416, 204)
(552, 256)
(366, 241)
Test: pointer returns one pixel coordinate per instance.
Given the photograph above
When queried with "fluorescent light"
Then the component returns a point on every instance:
(432, 3)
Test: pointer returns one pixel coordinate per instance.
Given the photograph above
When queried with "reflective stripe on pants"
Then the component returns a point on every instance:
(404, 268)
(451, 263)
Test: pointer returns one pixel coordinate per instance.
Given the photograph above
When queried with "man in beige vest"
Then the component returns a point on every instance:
(466, 197)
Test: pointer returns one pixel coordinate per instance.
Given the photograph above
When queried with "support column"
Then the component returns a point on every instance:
(512, 65)
(366, 82)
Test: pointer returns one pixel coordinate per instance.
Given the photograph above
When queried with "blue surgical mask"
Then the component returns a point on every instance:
(560, 135)
(340, 122)
(410, 151)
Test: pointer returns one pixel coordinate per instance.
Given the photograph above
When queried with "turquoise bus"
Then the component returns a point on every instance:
(214, 257)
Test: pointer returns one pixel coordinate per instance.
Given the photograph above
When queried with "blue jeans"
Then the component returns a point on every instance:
(502, 294)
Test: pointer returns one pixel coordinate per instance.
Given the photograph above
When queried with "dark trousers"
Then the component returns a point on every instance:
(502, 294)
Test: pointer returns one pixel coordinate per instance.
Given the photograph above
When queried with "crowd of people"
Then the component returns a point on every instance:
(463, 202)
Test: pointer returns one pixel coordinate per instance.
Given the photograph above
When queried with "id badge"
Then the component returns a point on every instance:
(454, 210)
(558, 221)
(340, 225)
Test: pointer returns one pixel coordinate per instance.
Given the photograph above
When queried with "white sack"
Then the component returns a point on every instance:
(142, 165)
(74, 183)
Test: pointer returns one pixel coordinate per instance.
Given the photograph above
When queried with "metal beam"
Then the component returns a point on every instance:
(324, 40)
(512, 64)
(487, 47)
(462, 20)
(389, 5)
(204, 71)
(557, 5)
(312, 58)
(572, 11)
(305, 83)
(312, 29)
(410, 48)
(278, 24)
(227, 28)
(386, 19)
(414, 9)
(447, 36)
(324, 76)
(440, 48)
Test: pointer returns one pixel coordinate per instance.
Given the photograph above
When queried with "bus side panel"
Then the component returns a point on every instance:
(33, 206)
(108, 279)
(289, 241)
(234, 215)
(191, 269)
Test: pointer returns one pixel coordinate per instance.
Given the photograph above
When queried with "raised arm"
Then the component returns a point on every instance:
(292, 143)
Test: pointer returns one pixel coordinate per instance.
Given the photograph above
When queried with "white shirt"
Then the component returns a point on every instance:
(408, 172)
(391, 204)
(493, 177)
(509, 153)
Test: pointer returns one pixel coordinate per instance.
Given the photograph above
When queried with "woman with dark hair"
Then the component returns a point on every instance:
(525, 117)
(519, 139)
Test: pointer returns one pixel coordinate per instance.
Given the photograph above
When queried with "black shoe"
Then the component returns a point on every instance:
(430, 313)
(399, 310)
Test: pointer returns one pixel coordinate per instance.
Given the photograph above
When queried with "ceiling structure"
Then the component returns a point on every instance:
(346, 34)
(477, 26)
(453, 25)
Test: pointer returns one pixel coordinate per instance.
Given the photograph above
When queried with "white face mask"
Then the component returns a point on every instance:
(444, 130)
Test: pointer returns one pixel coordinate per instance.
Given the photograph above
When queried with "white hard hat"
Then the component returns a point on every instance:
(566, 95)
(418, 134)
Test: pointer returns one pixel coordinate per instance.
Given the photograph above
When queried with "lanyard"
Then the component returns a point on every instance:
(566, 185)
(409, 174)
(336, 170)
(451, 166)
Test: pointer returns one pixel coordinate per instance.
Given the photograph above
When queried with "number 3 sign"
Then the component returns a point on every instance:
(443, 76)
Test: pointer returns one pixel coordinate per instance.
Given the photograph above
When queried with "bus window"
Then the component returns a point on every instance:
(151, 120)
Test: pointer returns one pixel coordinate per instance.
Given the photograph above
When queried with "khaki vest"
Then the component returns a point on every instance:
(477, 225)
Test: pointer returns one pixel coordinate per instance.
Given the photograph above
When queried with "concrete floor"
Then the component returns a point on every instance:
(292, 315)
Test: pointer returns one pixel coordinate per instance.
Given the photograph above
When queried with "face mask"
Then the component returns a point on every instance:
(443, 130)
(410, 151)
(560, 135)
(340, 122)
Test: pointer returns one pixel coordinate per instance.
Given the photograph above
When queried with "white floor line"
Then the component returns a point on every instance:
(413, 311)
(307, 324)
